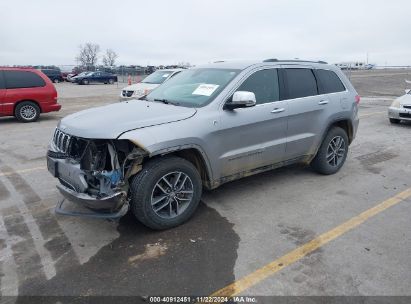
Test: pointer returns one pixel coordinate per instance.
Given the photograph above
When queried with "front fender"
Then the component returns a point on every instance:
(161, 140)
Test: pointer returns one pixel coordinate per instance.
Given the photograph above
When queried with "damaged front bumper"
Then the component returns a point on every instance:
(93, 173)
(111, 207)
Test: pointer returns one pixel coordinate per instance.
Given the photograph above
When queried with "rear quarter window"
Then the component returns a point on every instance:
(23, 79)
(329, 82)
(300, 83)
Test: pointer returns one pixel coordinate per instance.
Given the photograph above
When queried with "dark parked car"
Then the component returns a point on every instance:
(25, 93)
(54, 75)
(95, 77)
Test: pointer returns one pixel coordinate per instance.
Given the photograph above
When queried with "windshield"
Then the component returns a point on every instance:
(193, 88)
(157, 77)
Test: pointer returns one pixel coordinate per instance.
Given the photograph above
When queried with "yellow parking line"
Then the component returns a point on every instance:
(297, 254)
(373, 113)
(22, 171)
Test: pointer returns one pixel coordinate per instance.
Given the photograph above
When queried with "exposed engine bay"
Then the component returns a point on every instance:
(94, 169)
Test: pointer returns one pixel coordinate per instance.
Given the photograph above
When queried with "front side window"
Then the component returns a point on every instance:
(300, 83)
(193, 87)
(22, 79)
(328, 82)
(157, 77)
(264, 84)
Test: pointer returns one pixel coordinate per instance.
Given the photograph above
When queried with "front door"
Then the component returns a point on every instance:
(254, 137)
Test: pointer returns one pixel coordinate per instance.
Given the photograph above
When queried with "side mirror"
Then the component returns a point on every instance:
(241, 99)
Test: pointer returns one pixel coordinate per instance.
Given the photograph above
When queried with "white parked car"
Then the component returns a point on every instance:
(400, 109)
(148, 84)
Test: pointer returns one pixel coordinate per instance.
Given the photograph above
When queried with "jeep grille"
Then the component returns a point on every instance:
(61, 141)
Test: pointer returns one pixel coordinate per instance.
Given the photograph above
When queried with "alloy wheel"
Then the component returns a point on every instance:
(28, 112)
(336, 151)
(172, 194)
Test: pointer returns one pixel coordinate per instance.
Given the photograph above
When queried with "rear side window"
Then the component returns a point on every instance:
(23, 79)
(328, 82)
(300, 83)
(264, 84)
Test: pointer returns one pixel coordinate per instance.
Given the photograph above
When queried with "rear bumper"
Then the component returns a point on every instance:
(52, 108)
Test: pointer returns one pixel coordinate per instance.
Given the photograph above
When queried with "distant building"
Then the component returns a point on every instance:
(355, 65)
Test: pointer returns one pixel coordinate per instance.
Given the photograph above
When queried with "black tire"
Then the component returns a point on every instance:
(85, 81)
(325, 166)
(56, 80)
(145, 182)
(111, 81)
(395, 121)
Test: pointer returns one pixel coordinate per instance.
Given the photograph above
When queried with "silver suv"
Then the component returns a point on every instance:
(204, 127)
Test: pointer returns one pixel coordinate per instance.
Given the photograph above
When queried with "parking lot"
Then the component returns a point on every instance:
(250, 227)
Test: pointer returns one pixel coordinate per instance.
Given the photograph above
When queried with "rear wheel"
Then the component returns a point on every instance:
(85, 81)
(394, 121)
(332, 153)
(56, 80)
(27, 111)
(165, 193)
(111, 81)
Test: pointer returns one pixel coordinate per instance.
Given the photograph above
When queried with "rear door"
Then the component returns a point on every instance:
(92, 77)
(308, 112)
(2, 92)
(330, 87)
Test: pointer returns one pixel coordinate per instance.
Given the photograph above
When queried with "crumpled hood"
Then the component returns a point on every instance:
(139, 88)
(405, 100)
(108, 122)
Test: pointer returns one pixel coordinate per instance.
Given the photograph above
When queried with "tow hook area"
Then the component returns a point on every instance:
(110, 216)
(105, 205)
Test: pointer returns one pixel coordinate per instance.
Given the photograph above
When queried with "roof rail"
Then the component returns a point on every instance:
(292, 60)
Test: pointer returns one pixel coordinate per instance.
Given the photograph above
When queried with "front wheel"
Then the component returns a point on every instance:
(165, 193)
(85, 81)
(332, 153)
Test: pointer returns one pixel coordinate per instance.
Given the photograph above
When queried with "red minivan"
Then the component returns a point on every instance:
(25, 93)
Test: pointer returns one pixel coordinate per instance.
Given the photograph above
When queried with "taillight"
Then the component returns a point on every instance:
(357, 99)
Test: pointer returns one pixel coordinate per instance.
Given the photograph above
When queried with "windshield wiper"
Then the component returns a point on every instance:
(167, 102)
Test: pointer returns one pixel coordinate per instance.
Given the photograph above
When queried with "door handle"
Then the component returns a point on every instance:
(323, 102)
(278, 110)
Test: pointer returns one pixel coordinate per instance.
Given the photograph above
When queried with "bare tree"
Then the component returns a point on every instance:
(110, 57)
(88, 54)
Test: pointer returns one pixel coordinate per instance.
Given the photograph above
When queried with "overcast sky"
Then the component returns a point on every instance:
(167, 31)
